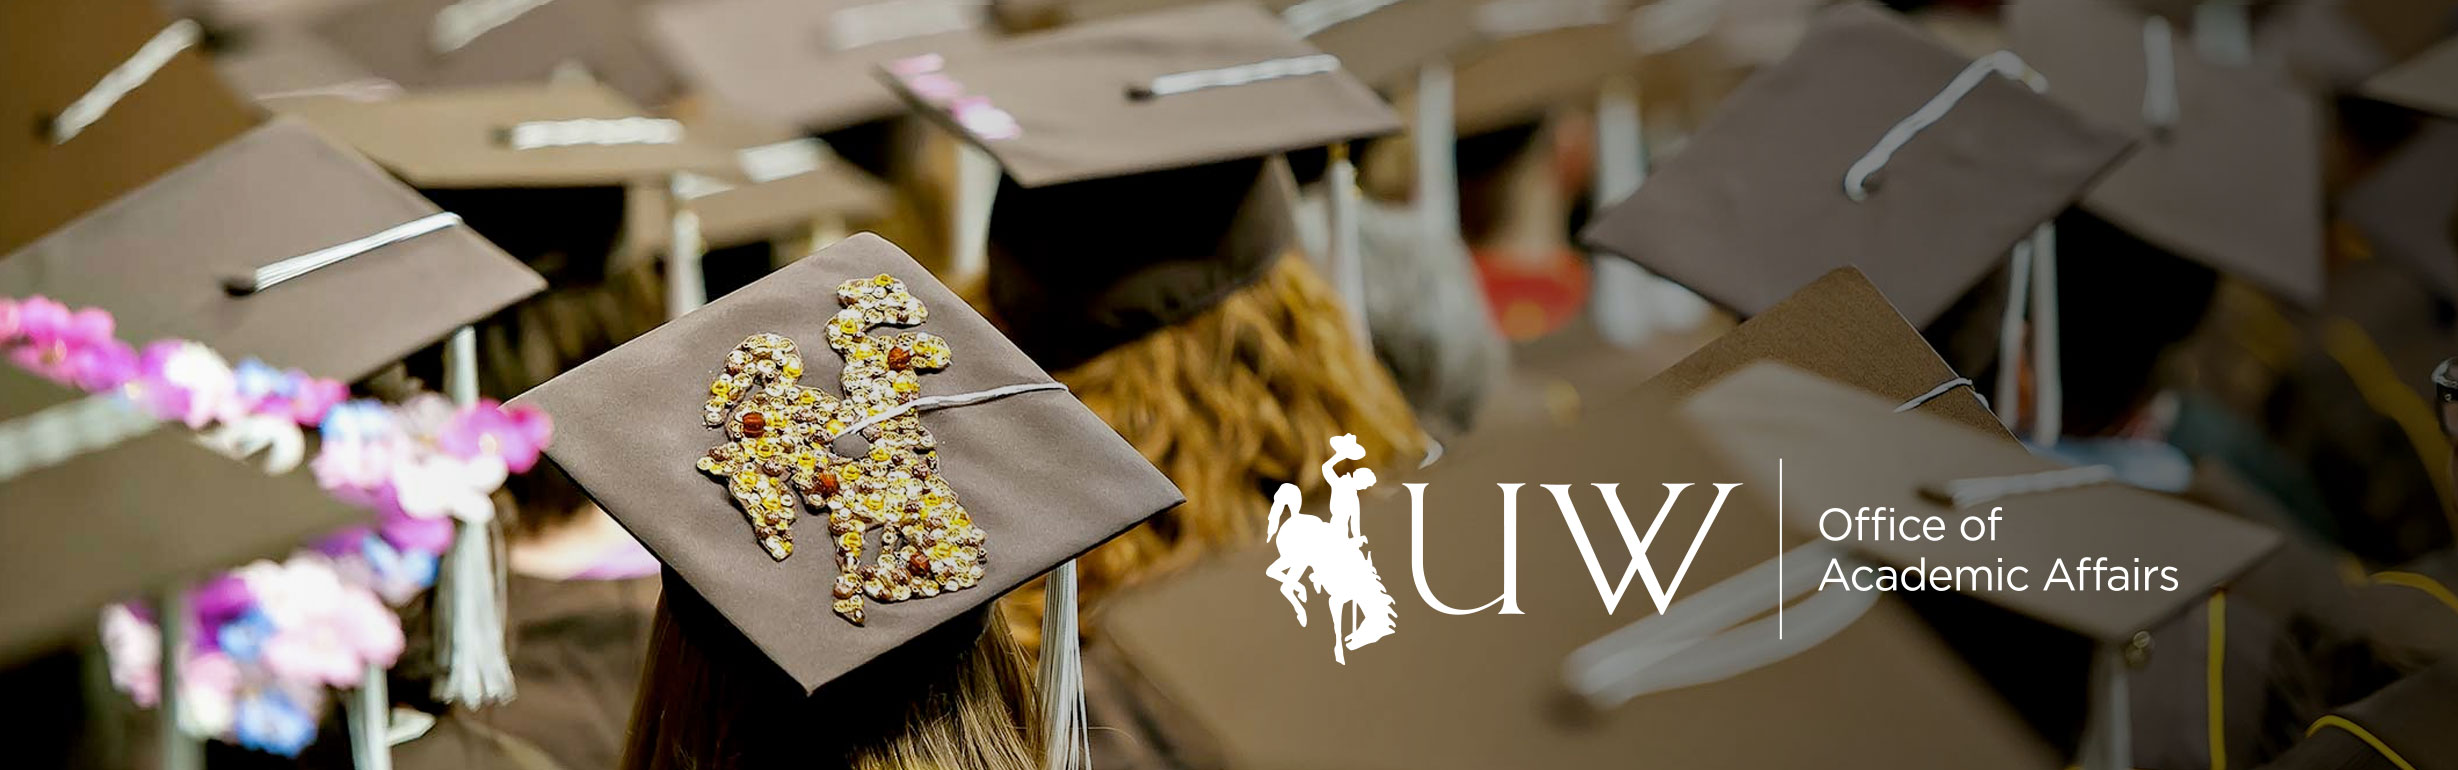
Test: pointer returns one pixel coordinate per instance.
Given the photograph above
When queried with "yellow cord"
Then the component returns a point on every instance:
(2334, 720)
(2420, 582)
(2217, 649)
(2379, 383)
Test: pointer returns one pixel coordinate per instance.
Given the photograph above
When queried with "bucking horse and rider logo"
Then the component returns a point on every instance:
(1331, 555)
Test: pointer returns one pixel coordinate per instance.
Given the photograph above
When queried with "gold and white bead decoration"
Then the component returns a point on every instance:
(778, 452)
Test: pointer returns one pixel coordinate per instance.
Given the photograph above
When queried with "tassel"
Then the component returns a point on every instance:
(469, 591)
(2047, 367)
(1062, 676)
(181, 748)
(686, 289)
(369, 713)
(469, 621)
(1346, 262)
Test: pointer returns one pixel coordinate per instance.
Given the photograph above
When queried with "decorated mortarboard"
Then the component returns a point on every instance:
(1841, 328)
(754, 444)
(103, 97)
(1869, 146)
(453, 43)
(108, 505)
(2228, 172)
(1142, 180)
(2426, 83)
(279, 245)
(808, 64)
(1568, 679)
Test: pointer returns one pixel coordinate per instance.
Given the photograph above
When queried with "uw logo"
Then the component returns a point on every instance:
(1334, 553)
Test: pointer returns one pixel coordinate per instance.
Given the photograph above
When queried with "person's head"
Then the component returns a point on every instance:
(958, 697)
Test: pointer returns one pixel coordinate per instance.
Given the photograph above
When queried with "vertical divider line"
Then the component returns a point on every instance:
(1779, 549)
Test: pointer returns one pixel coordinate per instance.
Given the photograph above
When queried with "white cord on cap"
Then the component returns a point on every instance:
(939, 402)
(63, 432)
(1942, 389)
(1243, 74)
(2159, 106)
(1697, 640)
(2005, 63)
(115, 85)
(267, 277)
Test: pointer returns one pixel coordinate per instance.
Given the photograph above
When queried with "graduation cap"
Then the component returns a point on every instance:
(2407, 207)
(444, 43)
(808, 64)
(1379, 41)
(1218, 642)
(542, 170)
(2426, 83)
(100, 97)
(1871, 146)
(994, 446)
(1533, 55)
(1847, 448)
(280, 245)
(781, 181)
(141, 508)
(2229, 174)
(1142, 184)
(1842, 328)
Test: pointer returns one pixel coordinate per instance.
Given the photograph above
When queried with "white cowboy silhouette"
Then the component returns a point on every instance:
(1335, 553)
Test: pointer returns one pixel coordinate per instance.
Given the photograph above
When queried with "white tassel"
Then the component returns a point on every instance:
(369, 711)
(1062, 676)
(686, 289)
(469, 591)
(2047, 363)
(181, 748)
(1347, 260)
(2009, 402)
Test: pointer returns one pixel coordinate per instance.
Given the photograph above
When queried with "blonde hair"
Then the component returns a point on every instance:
(1230, 404)
(958, 697)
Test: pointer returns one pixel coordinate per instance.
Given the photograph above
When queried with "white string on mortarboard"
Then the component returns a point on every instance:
(941, 402)
(115, 85)
(2003, 63)
(1243, 74)
(268, 276)
(1942, 389)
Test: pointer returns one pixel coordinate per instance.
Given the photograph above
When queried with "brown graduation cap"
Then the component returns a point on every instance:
(83, 531)
(1531, 56)
(808, 64)
(2229, 171)
(1142, 182)
(439, 43)
(782, 181)
(1841, 327)
(1039, 476)
(1219, 644)
(1379, 41)
(54, 54)
(520, 161)
(2427, 83)
(1756, 204)
(193, 254)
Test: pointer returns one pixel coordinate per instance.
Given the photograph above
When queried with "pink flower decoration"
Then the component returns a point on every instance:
(411, 533)
(184, 381)
(515, 434)
(8, 321)
(916, 65)
(57, 342)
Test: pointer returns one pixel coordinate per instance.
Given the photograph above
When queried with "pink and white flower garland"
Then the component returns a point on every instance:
(269, 639)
